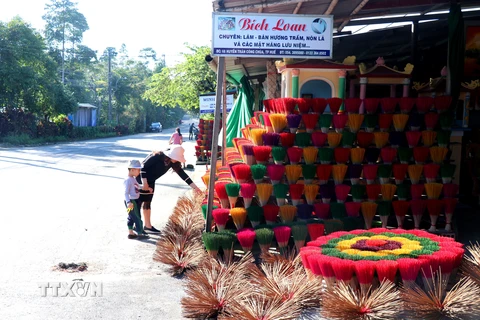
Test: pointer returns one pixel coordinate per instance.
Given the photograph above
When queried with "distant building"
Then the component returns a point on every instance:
(86, 115)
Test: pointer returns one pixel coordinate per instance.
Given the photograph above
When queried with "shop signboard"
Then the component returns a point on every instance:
(207, 103)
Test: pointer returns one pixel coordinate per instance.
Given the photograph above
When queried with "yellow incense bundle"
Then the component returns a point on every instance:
(415, 172)
(369, 209)
(388, 191)
(428, 138)
(293, 172)
(288, 213)
(310, 154)
(338, 173)
(438, 154)
(206, 179)
(355, 121)
(264, 191)
(278, 121)
(433, 190)
(256, 136)
(381, 139)
(400, 121)
(311, 192)
(357, 155)
(239, 215)
(334, 139)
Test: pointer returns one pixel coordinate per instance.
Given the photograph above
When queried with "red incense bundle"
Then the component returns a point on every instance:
(246, 237)
(387, 270)
(388, 155)
(341, 155)
(343, 270)
(296, 192)
(420, 154)
(385, 121)
(319, 139)
(406, 104)
(442, 103)
(315, 230)
(365, 139)
(418, 209)
(400, 208)
(310, 120)
(430, 171)
(450, 205)
(289, 105)
(262, 154)
(339, 121)
(416, 191)
(303, 105)
(450, 190)
(399, 172)
(373, 192)
(275, 172)
(287, 139)
(242, 173)
(424, 104)
(342, 191)
(221, 192)
(324, 262)
(294, 154)
(413, 138)
(371, 105)
(322, 210)
(282, 235)
(365, 271)
(334, 104)
(248, 191)
(352, 105)
(431, 120)
(220, 216)
(370, 172)
(323, 172)
(388, 105)
(319, 105)
(270, 212)
(409, 269)
(353, 209)
(434, 208)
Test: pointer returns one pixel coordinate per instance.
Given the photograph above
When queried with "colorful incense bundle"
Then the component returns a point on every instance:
(304, 211)
(325, 155)
(325, 122)
(357, 155)
(296, 192)
(403, 191)
(310, 154)
(248, 191)
(373, 191)
(409, 269)
(256, 136)
(299, 234)
(315, 230)
(319, 139)
(287, 140)
(420, 154)
(334, 139)
(278, 121)
(443, 138)
(280, 191)
(372, 155)
(388, 155)
(384, 211)
(348, 139)
(434, 190)
(338, 173)
(319, 105)
(246, 238)
(255, 215)
(371, 105)
(341, 155)
(388, 105)
(279, 154)
(211, 242)
(371, 121)
(308, 172)
(288, 213)
(338, 210)
(352, 105)
(384, 173)
(416, 191)
(323, 172)
(270, 212)
(282, 235)
(381, 139)
(434, 208)
(310, 120)
(302, 139)
(222, 194)
(326, 193)
(413, 138)
(358, 192)
(249, 156)
(450, 190)
(311, 192)
(385, 121)
(438, 154)
(400, 208)
(400, 121)
(339, 121)
(405, 154)
(387, 270)
(303, 105)
(418, 209)
(289, 104)
(220, 216)
(428, 138)
(415, 172)
(294, 154)
(293, 121)
(430, 171)
(450, 205)
(431, 120)
(424, 104)
(406, 104)
(242, 173)
(264, 237)
(442, 103)
(353, 209)
(264, 191)
(365, 139)
(275, 172)
(322, 210)
(293, 173)
(258, 172)
(262, 154)
(369, 209)
(239, 215)
(446, 120)
(388, 191)
(233, 191)
(399, 172)
(370, 173)
(342, 191)
(334, 104)
(415, 121)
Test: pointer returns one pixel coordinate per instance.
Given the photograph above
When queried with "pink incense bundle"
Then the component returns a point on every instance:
(319, 105)
(303, 105)
(310, 120)
(246, 237)
(221, 192)
(322, 210)
(365, 271)
(296, 192)
(343, 270)
(353, 209)
(262, 154)
(334, 104)
(342, 191)
(247, 191)
(352, 105)
(220, 216)
(323, 172)
(242, 173)
(424, 104)
(400, 208)
(450, 190)
(282, 235)
(418, 209)
(294, 154)
(420, 154)
(339, 121)
(370, 172)
(388, 155)
(287, 139)
(270, 212)
(434, 208)
(409, 269)
(315, 230)
(319, 139)
(399, 172)
(430, 171)
(341, 155)
(387, 270)
(385, 121)
(450, 205)
(442, 103)
(431, 120)
(388, 105)
(406, 104)
(416, 190)
(373, 191)
(365, 139)
(275, 172)
(413, 138)
(371, 105)
(324, 263)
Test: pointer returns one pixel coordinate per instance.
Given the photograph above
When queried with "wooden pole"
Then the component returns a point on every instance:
(216, 127)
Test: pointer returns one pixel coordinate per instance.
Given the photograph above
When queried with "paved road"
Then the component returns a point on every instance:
(63, 203)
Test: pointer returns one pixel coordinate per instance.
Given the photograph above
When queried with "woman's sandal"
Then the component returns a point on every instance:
(132, 236)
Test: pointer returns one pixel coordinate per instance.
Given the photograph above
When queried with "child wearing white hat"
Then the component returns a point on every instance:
(131, 195)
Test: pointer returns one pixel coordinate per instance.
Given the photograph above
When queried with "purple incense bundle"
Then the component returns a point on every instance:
(249, 155)
(326, 192)
(354, 172)
(293, 121)
(398, 139)
(372, 154)
(304, 211)
(415, 121)
(271, 139)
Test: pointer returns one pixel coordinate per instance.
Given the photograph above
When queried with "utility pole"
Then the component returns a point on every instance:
(111, 52)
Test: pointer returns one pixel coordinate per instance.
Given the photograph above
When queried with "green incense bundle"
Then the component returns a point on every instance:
(280, 191)
(384, 210)
(447, 171)
(371, 121)
(384, 173)
(303, 139)
(255, 215)
(258, 172)
(403, 191)
(227, 240)
(325, 121)
(264, 238)
(278, 154)
(308, 172)
(358, 192)
(446, 120)
(348, 138)
(299, 233)
(233, 191)
(405, 154)
(338, 210)
(443, 137)
(211, 240)
(325, 155)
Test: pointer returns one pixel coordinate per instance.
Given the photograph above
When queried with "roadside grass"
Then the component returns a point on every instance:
(19, 140)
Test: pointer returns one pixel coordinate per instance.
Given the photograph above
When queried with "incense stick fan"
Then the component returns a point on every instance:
(416, 191)
(434, 190)
(434, 208)
(279, 154)
(275, 173)
(334, 139)
(438, 154)
(319, 139)
(388, 191)
(296, 192)
(323, 173)
(293, 173)
(430, 171)
(428, 138)
(413, 138)
(311, 192)
(326, 193)
(264, 237)
(371, 105)
(338, 210)
(282, 235)
(239, 216)
(270, 212)
(443, 138)
(339, 122)
(385, 121)
(280, 191)
(371, 121)
(381, 139)
(348, 139)
(450, 205)
(255, 215)
(400, 208)
(288, 213)
(304, 211)
(271, 139)
(248, 191)
(310, 155)
(369, 209)
(287, 140)
(246, 238)
(431, 120)
(303, 105)
(338, 173)
(373, 192)
(442, 103)
(403, 191)
(262, 154)
(341, 192)
(294, 154)
(415, 121)
(319, 105)
(325, 122)
(358, 192)
(299, 233)
(357, 155)
(308, 172)
(334, 104)
(399, 172)
(310, 120)
(384, 211)
(278, 121)
(221, 193)
(384, 173)
(302, 139)
(242, 173)
(233, 191)
(389, 104)
(415, 172)
(264, 191)
(406, 104)
(352, 105)
(420, 154)
(322, 210)
(325, 155)
(388, 155)
(258, 172)
(220, 216)
(370, 173)
(450, 190)
(364, 139)
(372, 155)
(256, 136)
(341, 155)
(405, 155)
(418, 209)
(353, 209)
(293, 121)
(424, 104)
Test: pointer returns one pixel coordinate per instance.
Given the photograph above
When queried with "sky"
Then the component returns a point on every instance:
(164, 25)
